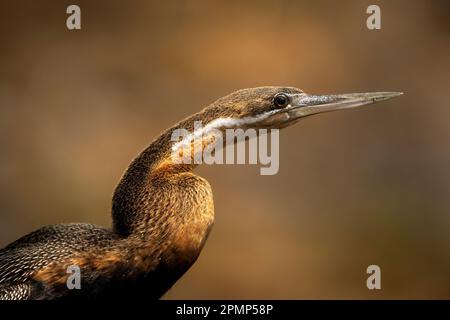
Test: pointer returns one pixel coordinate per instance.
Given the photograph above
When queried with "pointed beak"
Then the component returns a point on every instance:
(305, 105)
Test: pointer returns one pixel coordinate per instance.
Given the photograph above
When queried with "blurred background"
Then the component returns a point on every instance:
(355, 188)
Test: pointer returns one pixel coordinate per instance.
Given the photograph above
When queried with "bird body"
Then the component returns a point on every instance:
(162, 212)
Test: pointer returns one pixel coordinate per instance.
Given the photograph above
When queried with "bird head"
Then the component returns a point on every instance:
(279, 107)
(255, 108)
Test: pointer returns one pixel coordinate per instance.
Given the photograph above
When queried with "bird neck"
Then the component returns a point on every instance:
(156, 192)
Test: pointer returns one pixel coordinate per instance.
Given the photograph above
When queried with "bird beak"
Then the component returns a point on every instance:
(304, 105)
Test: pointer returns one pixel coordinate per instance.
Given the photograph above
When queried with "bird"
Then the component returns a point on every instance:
(162, 212)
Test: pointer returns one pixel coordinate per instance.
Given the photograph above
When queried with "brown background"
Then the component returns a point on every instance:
(360, 187)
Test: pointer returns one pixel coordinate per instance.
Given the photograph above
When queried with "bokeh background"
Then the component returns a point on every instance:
(355, 188)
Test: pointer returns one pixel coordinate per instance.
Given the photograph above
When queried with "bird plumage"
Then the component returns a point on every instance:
(49, 245)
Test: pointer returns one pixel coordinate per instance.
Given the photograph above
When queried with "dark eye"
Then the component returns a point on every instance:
(281, 100)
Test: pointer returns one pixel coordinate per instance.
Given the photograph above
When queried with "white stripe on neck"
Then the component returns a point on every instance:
(221, 123)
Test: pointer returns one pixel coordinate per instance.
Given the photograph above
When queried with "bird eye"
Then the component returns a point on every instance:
(281, 100)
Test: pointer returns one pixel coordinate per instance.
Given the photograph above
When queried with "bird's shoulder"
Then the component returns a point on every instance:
(22, 258)
(66, 234)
